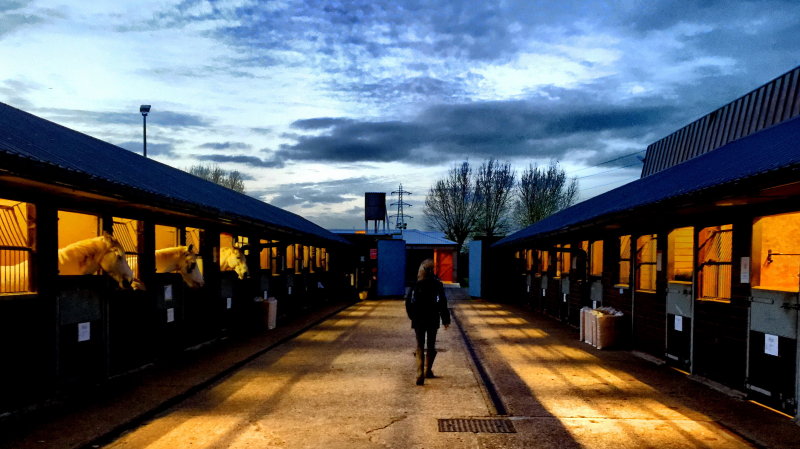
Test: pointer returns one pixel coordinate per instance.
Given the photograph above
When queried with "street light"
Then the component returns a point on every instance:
(144, 109)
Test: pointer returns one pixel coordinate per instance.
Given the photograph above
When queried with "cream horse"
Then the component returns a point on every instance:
(183, 260)
(98, 253)
(231, 258)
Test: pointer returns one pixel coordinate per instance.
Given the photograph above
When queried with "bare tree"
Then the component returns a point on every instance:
(494, 185)
(449, 206)
(542, 192)
(230, 179)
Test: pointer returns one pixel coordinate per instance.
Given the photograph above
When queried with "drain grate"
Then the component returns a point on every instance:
(476, 425)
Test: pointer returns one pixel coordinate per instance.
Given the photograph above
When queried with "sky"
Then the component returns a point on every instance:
(317, 102)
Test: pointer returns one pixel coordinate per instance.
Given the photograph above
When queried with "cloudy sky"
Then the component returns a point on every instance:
(317, 102)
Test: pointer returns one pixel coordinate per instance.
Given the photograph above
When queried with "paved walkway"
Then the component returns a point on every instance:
(563, 393)
(348, 382)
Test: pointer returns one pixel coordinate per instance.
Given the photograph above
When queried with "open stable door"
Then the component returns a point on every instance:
(679, 297)
(773, 327)
(720, 319)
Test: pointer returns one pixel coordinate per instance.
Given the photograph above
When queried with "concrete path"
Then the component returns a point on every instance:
(349, 383)
(346, 383)
(562, 393)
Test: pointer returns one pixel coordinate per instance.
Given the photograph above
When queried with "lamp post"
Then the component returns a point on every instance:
(144, 109)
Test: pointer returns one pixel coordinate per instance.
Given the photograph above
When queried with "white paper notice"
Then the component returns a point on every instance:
(168, 291)
(659, 254)
(228, 303)
(678, 323)
(770, 344)
(290, 289)
(594, 304)
(170, 315)
(84, 331)
(744, 275)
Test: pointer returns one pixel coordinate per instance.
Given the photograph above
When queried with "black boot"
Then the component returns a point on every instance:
(420, 364)
(429, 364)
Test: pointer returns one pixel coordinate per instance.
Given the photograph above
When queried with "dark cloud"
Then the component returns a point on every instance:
(320, 123)
(352, 141)
(225, 146)
(550, 127)
(250, 161)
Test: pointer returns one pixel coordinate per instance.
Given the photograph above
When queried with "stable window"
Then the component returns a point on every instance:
(294, 257)
(128, 234)
(680, 252)
(596, 258)
(74, 230)
(624, 261)
(715, 257)
(229, 241)
(277, 261)
(322, 258)
(308, 257)
(776, 252)
(646, 255)
(562, 261)
(193, 237)
(312, 259)
(17, 243)
(529, 260)
(544, 261)
(264, 259)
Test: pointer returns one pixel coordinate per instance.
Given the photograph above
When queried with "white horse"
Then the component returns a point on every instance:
(103, 252)
(183, 260)
(232, 258)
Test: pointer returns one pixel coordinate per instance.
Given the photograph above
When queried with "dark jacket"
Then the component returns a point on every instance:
(427, 305)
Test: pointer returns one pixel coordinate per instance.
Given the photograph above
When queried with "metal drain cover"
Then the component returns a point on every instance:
(476, 425)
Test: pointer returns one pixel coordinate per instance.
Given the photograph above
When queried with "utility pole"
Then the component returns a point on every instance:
(400, 217)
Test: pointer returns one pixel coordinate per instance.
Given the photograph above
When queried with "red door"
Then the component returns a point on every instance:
(443, 263)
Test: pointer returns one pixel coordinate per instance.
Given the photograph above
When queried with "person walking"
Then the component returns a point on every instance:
(426, 306)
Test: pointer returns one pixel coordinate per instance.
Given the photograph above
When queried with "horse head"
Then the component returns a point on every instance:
(188, 268)
(237, 260)
(114, 263)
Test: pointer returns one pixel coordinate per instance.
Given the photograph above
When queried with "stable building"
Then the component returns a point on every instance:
(702, 254)
(82, 221)
(388, 261)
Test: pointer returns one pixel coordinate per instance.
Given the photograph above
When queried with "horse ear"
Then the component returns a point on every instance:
(237, 244)
(107, 236)
(190, 248)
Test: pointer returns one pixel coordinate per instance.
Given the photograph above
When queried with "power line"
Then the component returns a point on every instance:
(610, 170)
(610, 160)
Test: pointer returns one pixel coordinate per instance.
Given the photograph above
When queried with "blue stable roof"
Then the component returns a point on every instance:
(770, 150)
(425, 238)
(27, 136)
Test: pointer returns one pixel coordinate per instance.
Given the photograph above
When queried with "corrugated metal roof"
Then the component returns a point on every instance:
(33, 138)
(769, 150)
(411, 236)
(428, 238)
